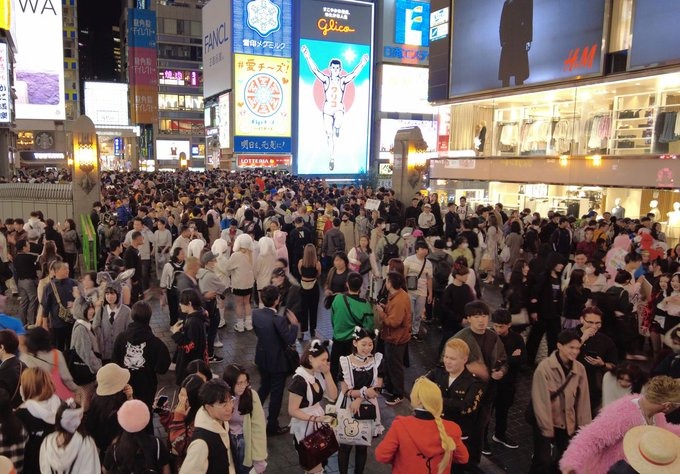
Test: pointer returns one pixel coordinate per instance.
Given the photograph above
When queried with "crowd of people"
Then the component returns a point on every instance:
(263, 252)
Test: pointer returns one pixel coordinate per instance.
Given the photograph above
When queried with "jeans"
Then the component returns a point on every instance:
(238, 450)
(394, 365)
(418, 308)
(274, 383)
(28, 292)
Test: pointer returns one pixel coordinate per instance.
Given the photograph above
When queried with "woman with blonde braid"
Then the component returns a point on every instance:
(423, 443)
(240, 268)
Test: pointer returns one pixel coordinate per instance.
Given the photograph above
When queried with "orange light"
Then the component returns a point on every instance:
(564, 160)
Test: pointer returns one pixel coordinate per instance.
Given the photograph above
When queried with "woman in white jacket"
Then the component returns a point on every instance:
(241, 271)
(67, 449)
(265, 263)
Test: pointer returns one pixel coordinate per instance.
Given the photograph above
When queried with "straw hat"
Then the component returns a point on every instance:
(652, 450)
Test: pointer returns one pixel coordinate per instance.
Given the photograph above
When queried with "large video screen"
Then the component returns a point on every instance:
(656, 37)
(511, 43)
(334, 107)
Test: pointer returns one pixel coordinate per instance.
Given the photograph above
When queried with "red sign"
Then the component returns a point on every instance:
(263, 161)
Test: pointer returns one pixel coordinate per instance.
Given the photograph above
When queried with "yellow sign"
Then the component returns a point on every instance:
(5, 17)
(263, 96)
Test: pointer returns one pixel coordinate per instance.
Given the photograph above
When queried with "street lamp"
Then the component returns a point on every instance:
(85, 155)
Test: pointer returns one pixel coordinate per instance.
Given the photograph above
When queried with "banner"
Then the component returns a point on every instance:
(334, 102)
(39, 62)
(263, 27)
(406, 31)
(5, 106)
(521, 42)
(263, 96)
(142, 66)
(216, 47)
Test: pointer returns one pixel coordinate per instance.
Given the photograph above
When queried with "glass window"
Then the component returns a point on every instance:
(196, 29)
(170, 26)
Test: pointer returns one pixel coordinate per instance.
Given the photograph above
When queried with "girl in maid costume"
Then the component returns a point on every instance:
(361, 375)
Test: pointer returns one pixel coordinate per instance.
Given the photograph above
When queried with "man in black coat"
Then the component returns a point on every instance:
(296, 241)
(274, 333)
(133, 261)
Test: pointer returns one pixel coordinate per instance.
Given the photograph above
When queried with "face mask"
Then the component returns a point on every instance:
(590, 270)
(230, 216)
(449, 244)
(382, 226)
(464, 245)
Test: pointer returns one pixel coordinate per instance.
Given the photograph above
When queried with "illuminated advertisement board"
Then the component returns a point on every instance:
(39, 62)
(406, 31)
(390, 127)
(263, 161)
(106, 103)
(263, 27)
(216, 47)
(167, 150)
(334, 82)
(262, 87)
(404, 89)
(5, 106)
(522, 42)
(142, 66)
(223, 121)
(656, 38)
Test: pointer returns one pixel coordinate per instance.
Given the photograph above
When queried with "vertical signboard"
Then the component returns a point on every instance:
(216, 47)
(39, 62)
(334, 87)
(406, 31)
(5, 106)
(224, 119)
(262, 103)
(142, 66)
(263, 27)
(440, 53)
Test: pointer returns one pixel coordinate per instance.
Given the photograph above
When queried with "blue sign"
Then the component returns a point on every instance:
(262, 144)
(262, 27)
(141, 28)
(117, 146)
(412, 22)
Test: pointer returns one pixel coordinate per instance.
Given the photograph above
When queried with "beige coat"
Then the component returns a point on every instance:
(196, 460)
(571, 409)
(255, 433)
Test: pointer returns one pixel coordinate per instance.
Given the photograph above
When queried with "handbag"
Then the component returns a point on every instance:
(328, 301)
(62, 391)
(486, 264)
(318, 446)
(521, 318)
(351, 430)
(308, 284)
(505, 254)
(412, 282)
(80, 371)
(64, 313)
(366, 412)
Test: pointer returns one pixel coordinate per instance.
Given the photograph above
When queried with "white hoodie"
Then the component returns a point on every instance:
(80, 455)
(45, 410)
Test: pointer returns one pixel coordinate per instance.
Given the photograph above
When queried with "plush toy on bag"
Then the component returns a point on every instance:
(615, 258)
(645, 241)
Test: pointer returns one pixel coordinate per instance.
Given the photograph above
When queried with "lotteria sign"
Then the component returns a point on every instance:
(334, 100)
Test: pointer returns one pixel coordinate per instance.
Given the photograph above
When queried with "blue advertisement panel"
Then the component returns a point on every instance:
(406, 28)
(261, 144)
(141, 28)
(334, 87)
(512, 43)
(656, 38)
(263, 27)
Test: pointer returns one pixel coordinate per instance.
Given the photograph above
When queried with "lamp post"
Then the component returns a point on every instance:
(86, 182)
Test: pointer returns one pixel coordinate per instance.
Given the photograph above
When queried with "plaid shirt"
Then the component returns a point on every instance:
(14, 449)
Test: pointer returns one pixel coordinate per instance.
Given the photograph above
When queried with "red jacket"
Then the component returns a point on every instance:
(412, 445)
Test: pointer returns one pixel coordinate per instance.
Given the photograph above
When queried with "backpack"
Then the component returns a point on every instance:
(441, 270)
(148, 461)
(390, 250)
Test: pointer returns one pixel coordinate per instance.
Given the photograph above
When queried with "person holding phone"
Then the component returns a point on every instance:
(189, 334)
(598, 353)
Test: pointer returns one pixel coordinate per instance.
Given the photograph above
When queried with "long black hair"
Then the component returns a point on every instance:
(231, 374)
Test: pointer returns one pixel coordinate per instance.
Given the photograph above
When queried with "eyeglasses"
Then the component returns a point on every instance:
(228, 401)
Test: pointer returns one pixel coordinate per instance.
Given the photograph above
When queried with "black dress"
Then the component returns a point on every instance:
(516, 30)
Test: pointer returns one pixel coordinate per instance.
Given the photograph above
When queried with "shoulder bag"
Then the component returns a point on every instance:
(61, 389)
(412, 282)
(529, 414)
(64, 313)
(291, 355)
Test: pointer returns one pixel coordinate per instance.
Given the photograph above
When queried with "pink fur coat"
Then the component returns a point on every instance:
(599, 445)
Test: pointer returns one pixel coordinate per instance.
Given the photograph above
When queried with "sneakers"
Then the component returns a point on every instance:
(222, 323)
(417, 338)
(172, 367)
(486, 450)
(218, 343)
(239, 326)
(393, 400)
(215, 359)
(505, 441)
(249, 324)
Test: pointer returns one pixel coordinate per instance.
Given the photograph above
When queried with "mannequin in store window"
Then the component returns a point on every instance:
(516, 35)
(480, 137)
(673, 225)
(618, 211)
(654, 209)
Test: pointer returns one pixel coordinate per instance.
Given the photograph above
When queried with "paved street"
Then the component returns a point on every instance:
(240, 348)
